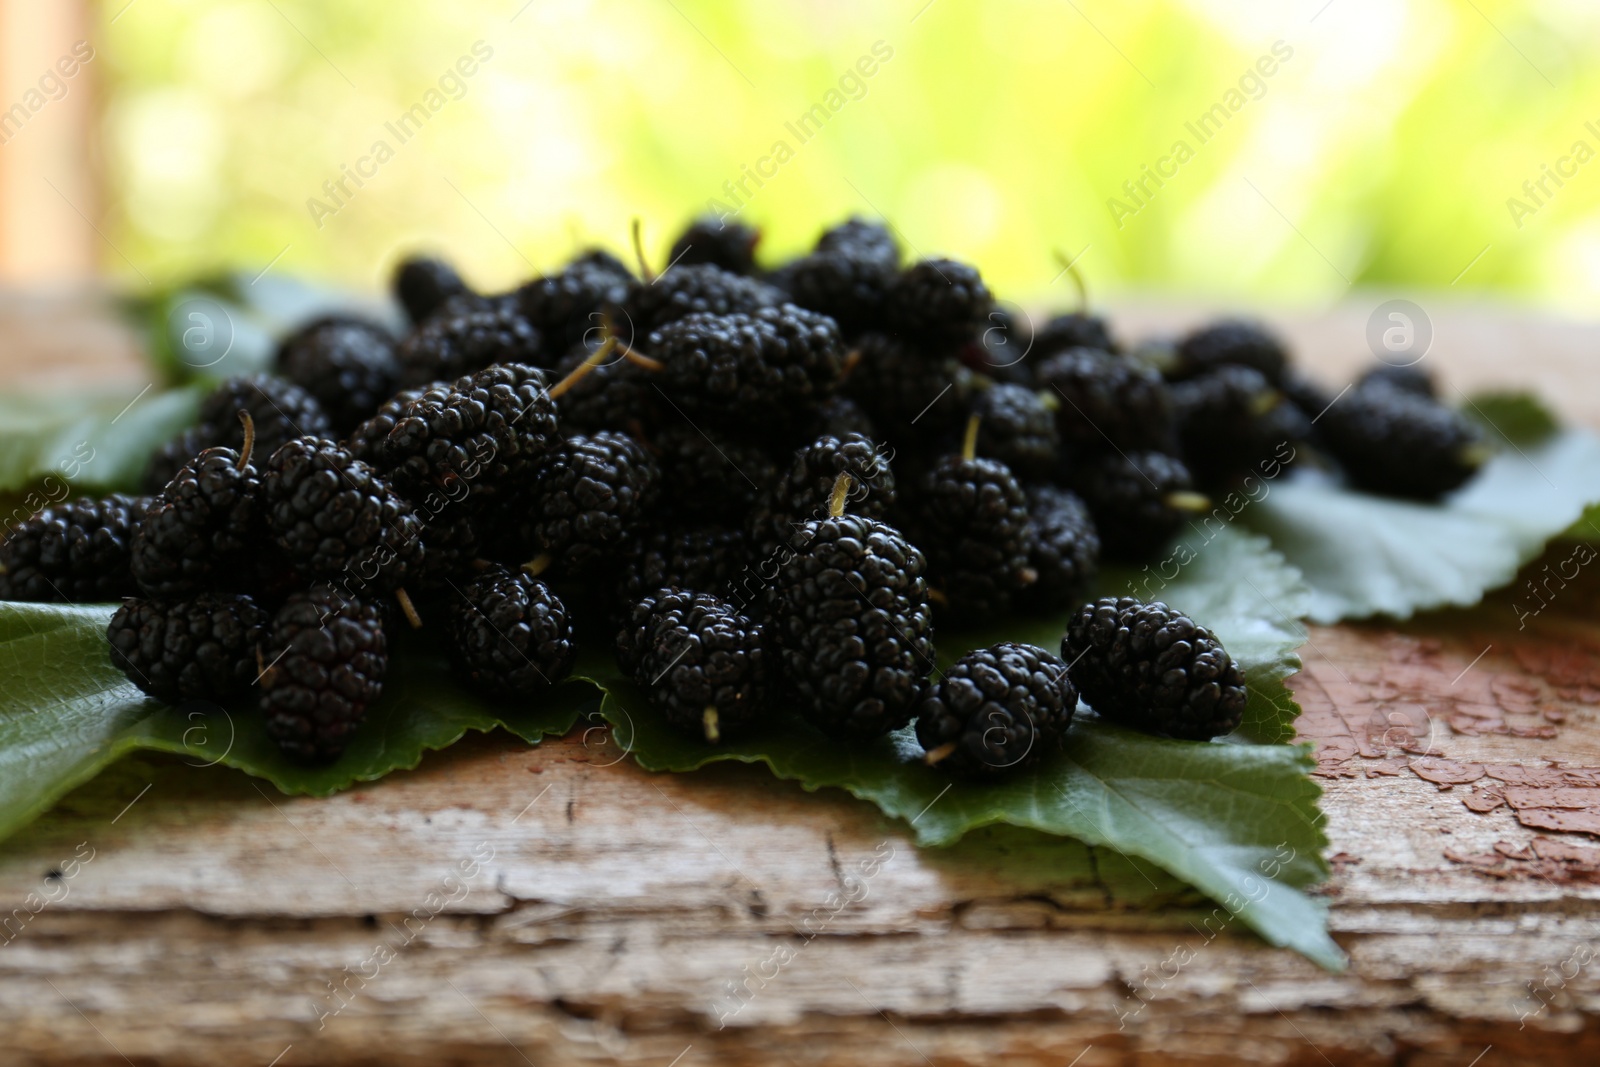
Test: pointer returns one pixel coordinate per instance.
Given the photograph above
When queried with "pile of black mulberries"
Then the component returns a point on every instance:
(759, 485)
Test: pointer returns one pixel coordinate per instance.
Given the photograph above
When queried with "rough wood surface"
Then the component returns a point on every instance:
(506, 905)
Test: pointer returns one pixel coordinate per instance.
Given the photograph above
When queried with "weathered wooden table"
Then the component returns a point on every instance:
(505, 904)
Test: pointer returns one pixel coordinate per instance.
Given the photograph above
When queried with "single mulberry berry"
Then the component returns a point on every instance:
(1017, 426)
(512, 635)
(973, 517)
(728, 245)
(422, 284)
(568, 306)
(753, 370)
(699, 662)
(348, 364)
(1399, 443)
(1232, 421)
(996, 710)
(204, 648)
(463, 338)
(326, 658)
(849, 620)
(1245, 344)
(710, 476)
(1107, 403)
(588, 496)
(487, 431)
(1306, 394)
(1138, 500)
(862, 239)
(805, 489)
(1147, 666)
(1004, 350)
(681, 291)
(1407, 379)
(703, 557)
(847, 275)
(942, 303)
(1063, 549)
(72, 553)
(278, 410)
(910, 395)
(366, 441)
(615, 395)
(203, 529)
(1077, 329)
(334, 517)
(850, 291)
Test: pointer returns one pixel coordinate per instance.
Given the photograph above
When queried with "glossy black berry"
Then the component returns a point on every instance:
(589, 494)
(1402, 444)
(72, 553)
(699, 662)
(707, 558)
(847, 275)
(485, 431)
(804, 489)
(971, 517)
(711, 476)
(1233, 422)
(202, 530)
(1063, 549)
(996, 710)
(910, 394)
(333, 517)
(203, 648)
(1138, 500)
(942, 303)
(279, 410)
(1245, 344)
(687, 290)
(466, 337)
(512, 635)
(347, 363)
(422, 284)
(849, 620)
(1106, 402)
(1075, 329)
(615, 395)
(1017, 426)
(1150, 667)
(753, 369)
(719, 242)
(569, 305)
(326, 656)
(1407, 379)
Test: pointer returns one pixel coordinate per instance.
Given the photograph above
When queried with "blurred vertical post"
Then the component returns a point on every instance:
(48, 187)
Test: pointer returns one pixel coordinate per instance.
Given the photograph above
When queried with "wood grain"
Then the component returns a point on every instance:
(552, 905)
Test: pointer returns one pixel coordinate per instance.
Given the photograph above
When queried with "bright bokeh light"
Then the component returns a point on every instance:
(1388, 146)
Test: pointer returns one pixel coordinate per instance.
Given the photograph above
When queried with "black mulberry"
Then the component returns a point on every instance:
(204, 648)
(348, 364)
(326, 658)
(72, 553)
(699, 662)
(942, 303)
(849, 620)
(467, 337)
(512, 635)
(1402, 444)
(996, 710)
(1147, 666)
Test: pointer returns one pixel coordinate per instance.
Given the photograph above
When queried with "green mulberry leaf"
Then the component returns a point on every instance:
(1366, 555)
(66, 713)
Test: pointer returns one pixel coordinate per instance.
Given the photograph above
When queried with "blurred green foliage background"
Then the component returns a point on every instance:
(1384, 148)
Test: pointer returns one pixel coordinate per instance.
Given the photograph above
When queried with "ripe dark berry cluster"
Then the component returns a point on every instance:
(760, 483)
